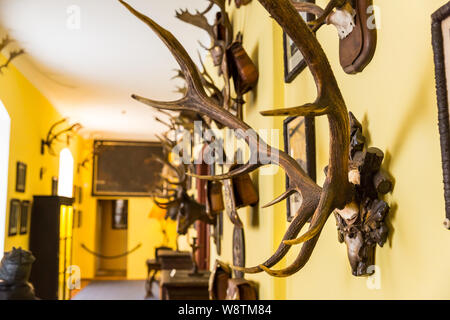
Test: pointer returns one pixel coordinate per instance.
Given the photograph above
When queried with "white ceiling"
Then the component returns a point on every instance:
(88, 74)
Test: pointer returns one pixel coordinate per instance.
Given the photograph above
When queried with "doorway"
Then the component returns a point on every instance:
(5, 126)
(112, 238)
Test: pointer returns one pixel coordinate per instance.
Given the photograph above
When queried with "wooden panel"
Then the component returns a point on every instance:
(45, 245)
(184, 287)
(175, 259)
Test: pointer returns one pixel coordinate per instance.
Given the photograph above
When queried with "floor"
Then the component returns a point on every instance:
(115, 290)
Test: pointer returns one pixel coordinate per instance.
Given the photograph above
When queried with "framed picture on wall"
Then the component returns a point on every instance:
(24, 214)
(79, 218)
(80, 195)
(441, 47)
(75, 193)
(293, 58)
(125, 168)
(300, 143)
(21, 176)
(14, 214)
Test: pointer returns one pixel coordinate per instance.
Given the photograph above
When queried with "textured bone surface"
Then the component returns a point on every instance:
(343, 20)
(350, 212)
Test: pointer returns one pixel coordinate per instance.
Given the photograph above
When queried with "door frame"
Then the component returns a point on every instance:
(5, 136)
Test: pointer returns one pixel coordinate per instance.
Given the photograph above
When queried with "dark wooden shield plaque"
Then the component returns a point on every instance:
(238, 250)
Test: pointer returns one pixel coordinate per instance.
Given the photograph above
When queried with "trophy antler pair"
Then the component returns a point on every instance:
(12, 54)
(179, 205)
(318, 203)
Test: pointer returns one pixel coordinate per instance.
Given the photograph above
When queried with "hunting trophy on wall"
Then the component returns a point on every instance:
(179, 205)
(318, 203)
(12, 54)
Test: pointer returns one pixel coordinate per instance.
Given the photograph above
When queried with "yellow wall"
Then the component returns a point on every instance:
(395, 99)
(31, 117)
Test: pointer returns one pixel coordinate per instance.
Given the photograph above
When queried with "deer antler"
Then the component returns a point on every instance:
(12, 56)
(198, 19)
(318, 203)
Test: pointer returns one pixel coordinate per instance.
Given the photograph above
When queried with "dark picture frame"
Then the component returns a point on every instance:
(441, 49)
(14, 216)
(25, 208)
(294, 63)
(21, 177)
(79, 218)
(300, 131)
(125, 168)
(80, 195)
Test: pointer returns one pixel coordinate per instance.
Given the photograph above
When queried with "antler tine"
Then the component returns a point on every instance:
(5, 42)
(210, 6)
(168, 125)
(50, 131)
(247, 168)
(308, 109)
(165, 190)
(164, 205)
(167, 147)
(309, 8)
(208, 80)
(168, 114)
(162, 196)
(299, 262)
(176, 183)
(188, 67)
(167, 163)
(12, 56)
(198, 19)
(293, 230)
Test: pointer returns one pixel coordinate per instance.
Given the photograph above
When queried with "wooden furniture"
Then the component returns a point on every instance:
(51, 244)
(153, 266)
(171, 259)
(181, 286)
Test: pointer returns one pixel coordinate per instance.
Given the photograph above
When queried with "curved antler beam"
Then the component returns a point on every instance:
(336, 190)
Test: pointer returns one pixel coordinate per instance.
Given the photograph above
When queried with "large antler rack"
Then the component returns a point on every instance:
(53, 136)
(317, 203)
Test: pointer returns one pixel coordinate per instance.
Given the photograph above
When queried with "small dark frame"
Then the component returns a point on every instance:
(21, 177)
(80, 195)
(24, 214)
(14, 214)
(291, 73)
(438, 42)
(79, 218)
(310, 144)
